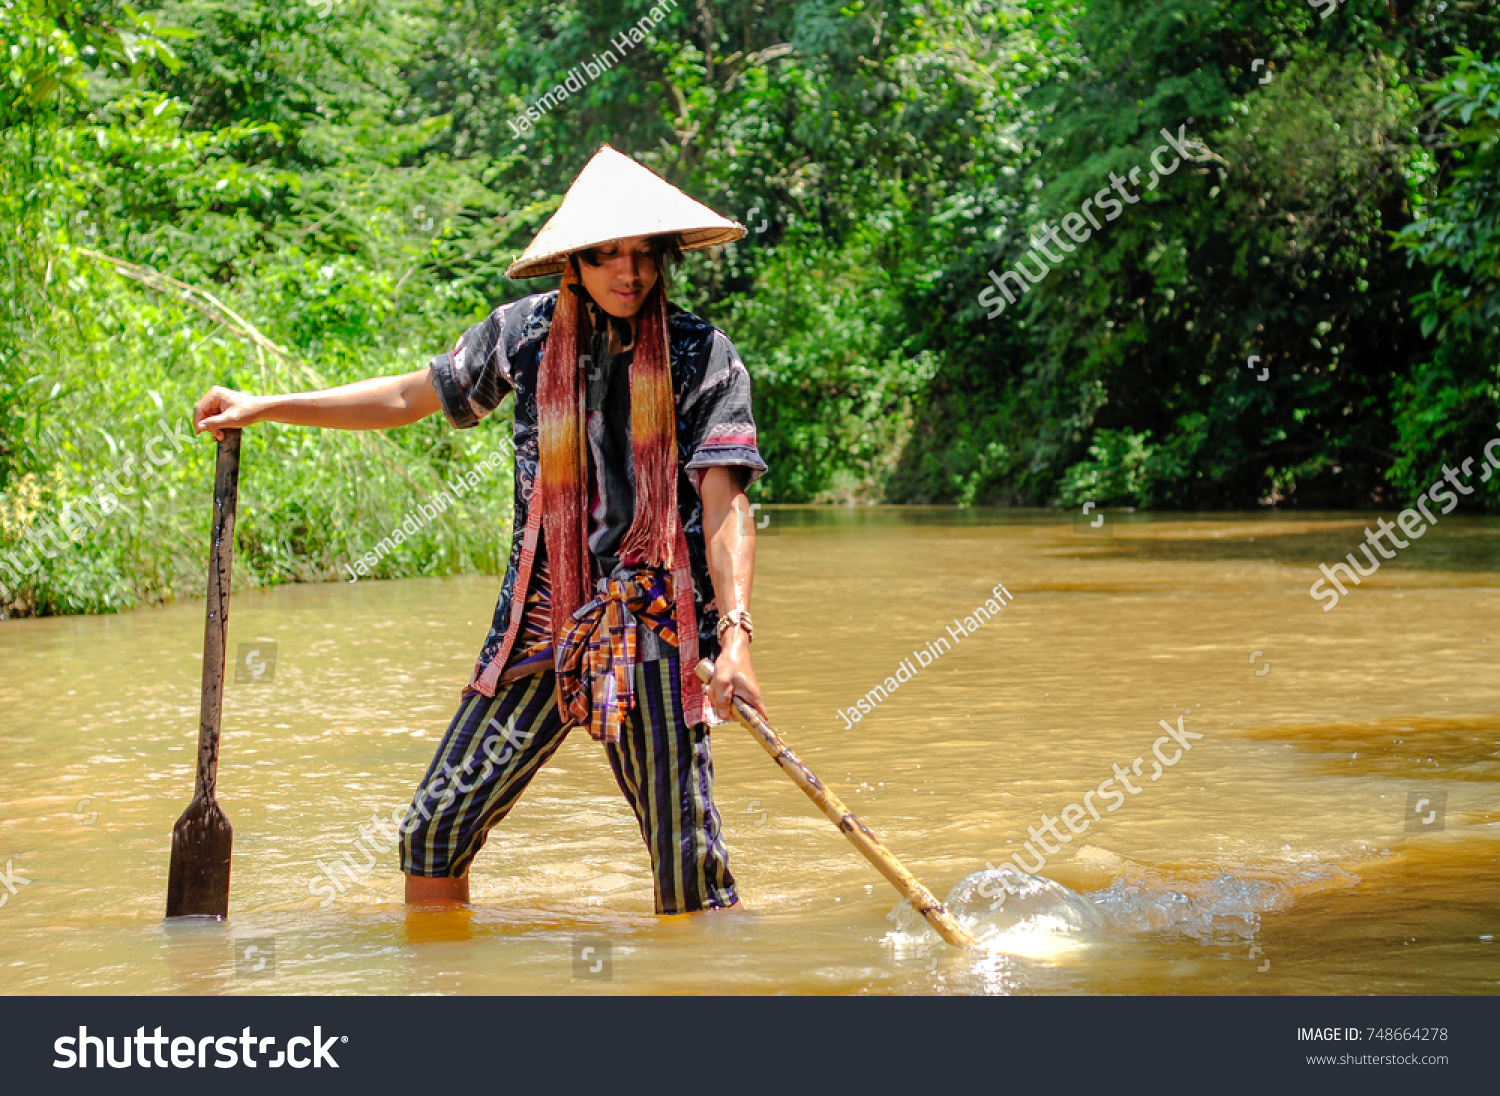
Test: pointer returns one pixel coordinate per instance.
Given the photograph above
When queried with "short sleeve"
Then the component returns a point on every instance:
(473, 377)
(721, 428)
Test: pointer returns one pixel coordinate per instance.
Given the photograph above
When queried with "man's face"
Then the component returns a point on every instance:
(623, 277)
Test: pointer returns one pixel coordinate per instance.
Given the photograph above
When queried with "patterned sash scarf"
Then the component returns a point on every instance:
(597, 654)
(656, 538)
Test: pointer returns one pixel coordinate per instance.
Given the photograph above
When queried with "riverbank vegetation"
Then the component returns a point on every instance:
(277, 194)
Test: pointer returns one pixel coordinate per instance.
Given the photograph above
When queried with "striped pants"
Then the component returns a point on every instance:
(495, 745)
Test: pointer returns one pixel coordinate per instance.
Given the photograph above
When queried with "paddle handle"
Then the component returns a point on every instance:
(216, 626)
(873, 849)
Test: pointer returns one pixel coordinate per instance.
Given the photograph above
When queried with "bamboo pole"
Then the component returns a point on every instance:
(859, 835)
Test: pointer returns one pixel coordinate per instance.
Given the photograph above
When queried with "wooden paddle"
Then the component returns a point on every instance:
(922, 899)
(198, 882)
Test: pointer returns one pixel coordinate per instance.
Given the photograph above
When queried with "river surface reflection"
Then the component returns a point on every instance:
(1336, 830)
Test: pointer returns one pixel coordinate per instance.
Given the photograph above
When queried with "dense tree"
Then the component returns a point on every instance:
(280, 193)
(1273, 243)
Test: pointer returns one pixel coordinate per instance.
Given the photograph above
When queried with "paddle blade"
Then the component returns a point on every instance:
(198, 882)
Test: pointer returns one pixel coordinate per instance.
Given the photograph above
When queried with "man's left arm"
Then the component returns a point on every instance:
(729, 532)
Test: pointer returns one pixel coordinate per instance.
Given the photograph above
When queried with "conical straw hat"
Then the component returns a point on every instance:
(613, 198)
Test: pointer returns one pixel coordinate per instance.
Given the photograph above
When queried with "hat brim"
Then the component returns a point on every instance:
(615, 198)
(693, 239)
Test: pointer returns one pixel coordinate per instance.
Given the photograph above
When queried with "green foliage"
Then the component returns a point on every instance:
(52, 44)
(1272, 242)
(284, 194)
(1458, 232)
(1123, 469)
(1449, 406)
(241, 265)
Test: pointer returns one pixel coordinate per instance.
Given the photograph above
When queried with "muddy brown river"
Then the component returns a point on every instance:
(1334, 830)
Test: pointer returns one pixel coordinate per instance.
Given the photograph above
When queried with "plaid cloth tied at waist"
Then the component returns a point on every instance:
(595, 659)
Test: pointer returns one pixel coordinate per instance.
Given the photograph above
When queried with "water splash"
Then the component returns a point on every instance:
(1003, 901)
(1009, 912)
(1032, 916)
(1143, 900)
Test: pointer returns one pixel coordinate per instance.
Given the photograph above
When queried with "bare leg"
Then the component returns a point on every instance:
(423, 891)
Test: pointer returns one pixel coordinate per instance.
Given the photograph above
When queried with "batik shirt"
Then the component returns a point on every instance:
(611, 509)
(711, 388)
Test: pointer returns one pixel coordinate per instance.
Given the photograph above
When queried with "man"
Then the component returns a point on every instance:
(632, 555)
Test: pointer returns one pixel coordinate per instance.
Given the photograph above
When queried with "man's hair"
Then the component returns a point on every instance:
(666, 253)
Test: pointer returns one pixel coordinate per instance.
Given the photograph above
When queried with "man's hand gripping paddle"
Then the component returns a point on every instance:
(922, 899)
(198, 882)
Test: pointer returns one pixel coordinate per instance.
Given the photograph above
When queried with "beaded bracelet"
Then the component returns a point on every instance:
(740, 617)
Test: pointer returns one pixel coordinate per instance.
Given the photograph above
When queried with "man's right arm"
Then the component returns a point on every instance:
(375, 404)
